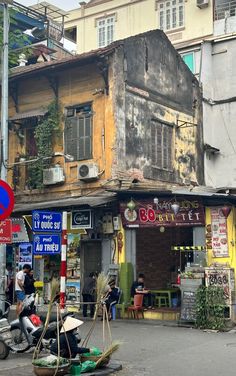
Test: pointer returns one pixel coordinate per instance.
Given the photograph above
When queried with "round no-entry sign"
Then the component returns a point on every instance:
(6, 200)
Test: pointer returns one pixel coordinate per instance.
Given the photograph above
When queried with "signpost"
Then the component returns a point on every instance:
(47, 244)
(46, 221)
(6, 231)
(6, 200)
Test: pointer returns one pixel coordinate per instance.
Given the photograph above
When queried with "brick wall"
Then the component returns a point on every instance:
(154, 257)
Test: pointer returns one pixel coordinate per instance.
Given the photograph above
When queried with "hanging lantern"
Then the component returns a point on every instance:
(226, 210)
(162, 229)
(131, 205)
(175, 208)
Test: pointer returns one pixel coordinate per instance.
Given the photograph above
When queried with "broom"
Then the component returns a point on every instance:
(114, 347)
(54, 292)
(101, 286)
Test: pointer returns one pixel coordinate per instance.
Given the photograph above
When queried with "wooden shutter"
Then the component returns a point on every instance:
(167, 147)
(156, 142)
(85, 137)
(71, 137)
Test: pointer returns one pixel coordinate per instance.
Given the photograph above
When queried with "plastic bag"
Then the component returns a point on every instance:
(94, 351)
(88, 366)
(75, 370)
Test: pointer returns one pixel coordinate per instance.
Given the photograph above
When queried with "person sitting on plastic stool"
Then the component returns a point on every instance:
(112, 297)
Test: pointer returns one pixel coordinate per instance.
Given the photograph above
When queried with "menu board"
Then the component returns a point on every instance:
(188, 306)
(219, 233)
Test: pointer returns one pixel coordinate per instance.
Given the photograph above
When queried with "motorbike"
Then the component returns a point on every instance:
(24, 333)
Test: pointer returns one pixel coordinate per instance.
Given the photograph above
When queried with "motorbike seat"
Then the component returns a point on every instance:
(53, 317)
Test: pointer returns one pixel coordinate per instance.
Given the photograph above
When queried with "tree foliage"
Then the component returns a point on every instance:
(18, 41)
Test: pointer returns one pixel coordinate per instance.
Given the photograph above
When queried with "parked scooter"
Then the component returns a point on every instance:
(23, 333)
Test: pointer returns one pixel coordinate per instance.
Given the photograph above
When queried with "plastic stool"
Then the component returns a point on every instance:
(113, 312)
(161, 301)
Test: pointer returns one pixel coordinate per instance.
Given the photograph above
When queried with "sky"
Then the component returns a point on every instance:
(63, 4)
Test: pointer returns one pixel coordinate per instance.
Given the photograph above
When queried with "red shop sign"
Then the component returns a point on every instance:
(5, 231)
(148, 214)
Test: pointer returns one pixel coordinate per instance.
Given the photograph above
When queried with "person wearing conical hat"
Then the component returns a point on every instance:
(68, 339)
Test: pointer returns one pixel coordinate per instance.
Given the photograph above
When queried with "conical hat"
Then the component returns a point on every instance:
(70, 324)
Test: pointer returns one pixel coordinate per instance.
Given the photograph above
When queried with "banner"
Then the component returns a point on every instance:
(148, 214)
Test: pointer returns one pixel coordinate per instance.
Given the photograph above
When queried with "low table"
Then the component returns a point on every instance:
(168, 293)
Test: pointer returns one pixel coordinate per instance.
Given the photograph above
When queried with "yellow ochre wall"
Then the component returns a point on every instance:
(231, 259)
(134, 17)
(76, 86)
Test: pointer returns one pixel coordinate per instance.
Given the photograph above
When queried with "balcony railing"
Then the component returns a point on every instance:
(224, 9)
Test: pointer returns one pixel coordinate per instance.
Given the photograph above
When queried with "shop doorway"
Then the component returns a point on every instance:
(91, 259)
(155, 257)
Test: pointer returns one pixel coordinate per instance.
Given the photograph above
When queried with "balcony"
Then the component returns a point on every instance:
(224, 9)
(224, 17)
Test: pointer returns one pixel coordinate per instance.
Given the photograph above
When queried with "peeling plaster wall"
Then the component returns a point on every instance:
(158, 87)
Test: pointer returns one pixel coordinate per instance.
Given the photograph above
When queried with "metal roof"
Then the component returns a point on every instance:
(92, 201)
(29, 114)
(48, 10)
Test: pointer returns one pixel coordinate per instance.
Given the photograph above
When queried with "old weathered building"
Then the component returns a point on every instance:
(131, 115)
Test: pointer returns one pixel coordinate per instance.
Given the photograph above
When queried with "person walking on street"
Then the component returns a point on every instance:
(19, 287)
(29, 283)
(88, 294)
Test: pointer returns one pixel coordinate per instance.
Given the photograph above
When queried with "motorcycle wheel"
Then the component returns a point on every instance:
(19, 340)
(4, 350)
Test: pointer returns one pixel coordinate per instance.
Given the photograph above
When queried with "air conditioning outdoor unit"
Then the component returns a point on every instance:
(53, 175)
(202, 3)
(88, 171)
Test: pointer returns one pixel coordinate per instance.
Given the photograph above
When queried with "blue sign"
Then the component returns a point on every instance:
(46, 221)
(48, 244)
(6, 200)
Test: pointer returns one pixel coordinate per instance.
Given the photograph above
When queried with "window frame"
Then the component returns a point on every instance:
(174, 21)
(161, 148)
(109, 27)
(194, 62)
(73, 112)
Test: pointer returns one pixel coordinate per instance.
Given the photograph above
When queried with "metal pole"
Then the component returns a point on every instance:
(4, 139)
(63, 261)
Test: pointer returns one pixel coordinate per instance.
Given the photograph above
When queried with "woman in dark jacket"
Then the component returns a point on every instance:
(68, 338)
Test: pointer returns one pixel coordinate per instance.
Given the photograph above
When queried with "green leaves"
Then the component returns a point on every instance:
(44, 135)
(210, 308)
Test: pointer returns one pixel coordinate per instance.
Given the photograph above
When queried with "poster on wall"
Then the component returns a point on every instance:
(219, 233)
(73, 256)
(25, 255)
(72, 291)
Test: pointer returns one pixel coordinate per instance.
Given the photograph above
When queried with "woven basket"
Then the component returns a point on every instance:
(50, 371)
(95, 359)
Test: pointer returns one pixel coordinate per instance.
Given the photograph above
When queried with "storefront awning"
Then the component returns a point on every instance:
(29, 114)
(92, 201)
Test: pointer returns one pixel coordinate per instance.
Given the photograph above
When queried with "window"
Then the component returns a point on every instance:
(105, 31)
(78, 132)
(161, 153)
(171, 14)
(189, 60)
(71, 33)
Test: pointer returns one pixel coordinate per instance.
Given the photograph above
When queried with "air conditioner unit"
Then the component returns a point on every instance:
(53, 175)
(88, 171)
(202, 3)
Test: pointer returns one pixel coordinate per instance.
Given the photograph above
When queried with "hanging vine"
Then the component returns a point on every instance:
(46, 132)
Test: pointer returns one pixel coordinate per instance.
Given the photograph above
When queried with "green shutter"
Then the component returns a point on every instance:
(189, 61)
